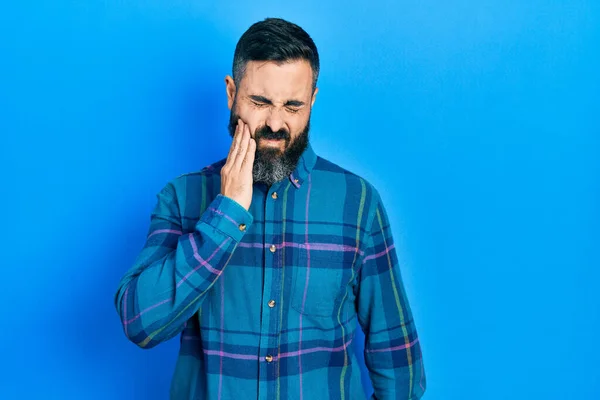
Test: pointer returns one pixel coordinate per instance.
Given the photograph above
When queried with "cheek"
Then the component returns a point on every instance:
(297, 124)
(253, 118)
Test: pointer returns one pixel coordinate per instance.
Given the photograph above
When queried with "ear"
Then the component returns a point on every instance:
(314, 97)
(230, 89)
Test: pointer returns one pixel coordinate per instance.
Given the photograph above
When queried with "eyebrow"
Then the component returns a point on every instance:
(289, 103)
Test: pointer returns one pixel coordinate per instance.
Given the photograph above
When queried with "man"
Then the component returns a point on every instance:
(263, 261)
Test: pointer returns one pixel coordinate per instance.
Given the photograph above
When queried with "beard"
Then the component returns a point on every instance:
(271, 164)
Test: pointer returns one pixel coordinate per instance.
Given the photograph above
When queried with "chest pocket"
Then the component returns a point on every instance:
(318, 282)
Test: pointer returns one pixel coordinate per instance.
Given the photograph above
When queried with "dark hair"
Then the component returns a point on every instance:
(274, 39)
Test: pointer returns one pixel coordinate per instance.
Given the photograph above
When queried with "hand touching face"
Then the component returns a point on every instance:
(236, 174)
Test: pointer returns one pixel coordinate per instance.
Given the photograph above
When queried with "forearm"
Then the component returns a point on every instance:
(173, 273)
(397, 372)
(157, 298)
(392, 349)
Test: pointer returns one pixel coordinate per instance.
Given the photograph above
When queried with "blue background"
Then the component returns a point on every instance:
(478, 121)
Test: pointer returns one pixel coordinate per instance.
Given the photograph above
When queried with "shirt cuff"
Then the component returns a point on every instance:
(228, 216)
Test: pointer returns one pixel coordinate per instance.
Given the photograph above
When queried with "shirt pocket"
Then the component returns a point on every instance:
(317, 282)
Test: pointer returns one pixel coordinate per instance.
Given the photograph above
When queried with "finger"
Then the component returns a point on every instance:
(235, 142)
(245, 137)
(249, 158)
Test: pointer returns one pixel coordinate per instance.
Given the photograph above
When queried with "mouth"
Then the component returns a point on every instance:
(272, 142)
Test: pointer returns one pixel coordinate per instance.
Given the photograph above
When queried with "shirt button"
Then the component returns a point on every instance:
(274, 195)
(273, 248)
(269, 358)
(271, 303)
(242, 227)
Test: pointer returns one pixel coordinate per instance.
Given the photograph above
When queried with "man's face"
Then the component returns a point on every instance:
(275, 102)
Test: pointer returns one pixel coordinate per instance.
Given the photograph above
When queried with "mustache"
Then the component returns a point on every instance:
(265, 132)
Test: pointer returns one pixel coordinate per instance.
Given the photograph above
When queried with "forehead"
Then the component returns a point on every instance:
(278, 81)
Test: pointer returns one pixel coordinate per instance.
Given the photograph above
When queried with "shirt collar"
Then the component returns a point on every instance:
(307, 161)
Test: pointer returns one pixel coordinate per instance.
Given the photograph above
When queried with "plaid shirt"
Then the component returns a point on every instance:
(265, 301)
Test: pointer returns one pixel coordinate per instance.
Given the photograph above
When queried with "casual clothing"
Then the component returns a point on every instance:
(266, 301)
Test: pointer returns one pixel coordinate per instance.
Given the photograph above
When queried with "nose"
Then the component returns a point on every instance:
(274, 120)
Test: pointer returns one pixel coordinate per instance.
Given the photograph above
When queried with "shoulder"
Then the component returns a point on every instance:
(208, 170)
(353, 184)
(355, 188)
(195, 181)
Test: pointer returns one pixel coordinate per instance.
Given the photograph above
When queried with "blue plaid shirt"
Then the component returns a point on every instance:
(265, 301)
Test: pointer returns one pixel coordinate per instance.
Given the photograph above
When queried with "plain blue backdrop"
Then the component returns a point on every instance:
(478, 121)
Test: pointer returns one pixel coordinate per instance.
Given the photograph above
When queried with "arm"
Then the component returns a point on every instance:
(174, 271)
(392, 349)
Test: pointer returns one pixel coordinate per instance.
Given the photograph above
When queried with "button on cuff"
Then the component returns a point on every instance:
(227, 216)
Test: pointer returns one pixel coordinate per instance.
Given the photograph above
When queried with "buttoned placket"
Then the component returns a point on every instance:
(271, 291)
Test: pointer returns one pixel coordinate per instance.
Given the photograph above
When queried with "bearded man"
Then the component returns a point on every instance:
(263, 262)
